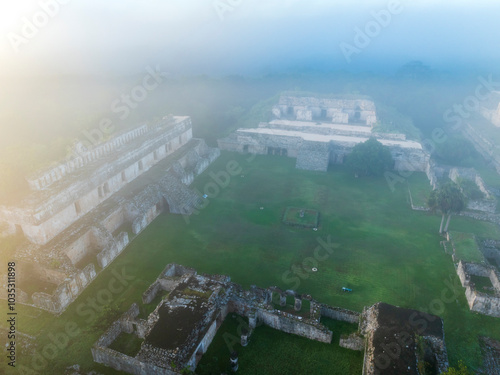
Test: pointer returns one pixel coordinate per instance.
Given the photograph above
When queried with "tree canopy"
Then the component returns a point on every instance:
(460, 370)
(448, 199)
(370, 158)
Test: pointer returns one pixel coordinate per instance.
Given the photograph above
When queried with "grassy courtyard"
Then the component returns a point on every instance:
(301, 217)
(384, 251)
(466, 247)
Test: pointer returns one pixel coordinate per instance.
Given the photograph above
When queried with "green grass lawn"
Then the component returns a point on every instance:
(289, 354)
(420, 189)
(466, 247)
(483, 284)
(127, 343)
(386, 252)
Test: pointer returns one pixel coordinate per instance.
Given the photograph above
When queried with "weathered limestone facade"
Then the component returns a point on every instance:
(179, 331)
(318, 144)
(472, 128)
(83, 213)
(484, 303)
(67, 192)
(339, 111)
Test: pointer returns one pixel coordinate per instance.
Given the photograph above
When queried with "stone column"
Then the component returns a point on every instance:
(252, 320)
(234, 361)
(298, 304)
(282, 299)
(269, 296)
(244, 337)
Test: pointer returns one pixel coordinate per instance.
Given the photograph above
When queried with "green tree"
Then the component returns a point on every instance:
(448, 199)
(370, 158)
(460, 370)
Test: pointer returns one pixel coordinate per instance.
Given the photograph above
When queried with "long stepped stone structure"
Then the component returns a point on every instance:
(320, 132)
(83, 213)
(480, 127)
(179, 331)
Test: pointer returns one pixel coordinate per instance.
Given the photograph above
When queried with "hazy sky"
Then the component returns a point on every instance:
(245, 36)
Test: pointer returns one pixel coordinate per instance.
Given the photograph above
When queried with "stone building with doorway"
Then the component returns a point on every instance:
(319, 132)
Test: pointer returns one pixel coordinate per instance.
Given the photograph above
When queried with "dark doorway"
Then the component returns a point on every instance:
(164, 205)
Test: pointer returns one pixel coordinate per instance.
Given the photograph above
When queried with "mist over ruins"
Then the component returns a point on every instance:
(264, 188)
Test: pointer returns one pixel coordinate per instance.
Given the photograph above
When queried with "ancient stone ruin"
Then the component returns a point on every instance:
(487, 203)
(82, 213)
(483, 299)
(402, 341)
(179, 331)
(490, 108)
(320, 132)
(339, 111)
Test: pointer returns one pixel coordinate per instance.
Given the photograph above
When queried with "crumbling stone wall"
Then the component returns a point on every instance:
(489, 203)
(406, 159)
(353, 342)
(338, 313)
(169, 278)
(101, 353)
(282, 322)
(313, 156)
(481, 302)
(65, 292)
